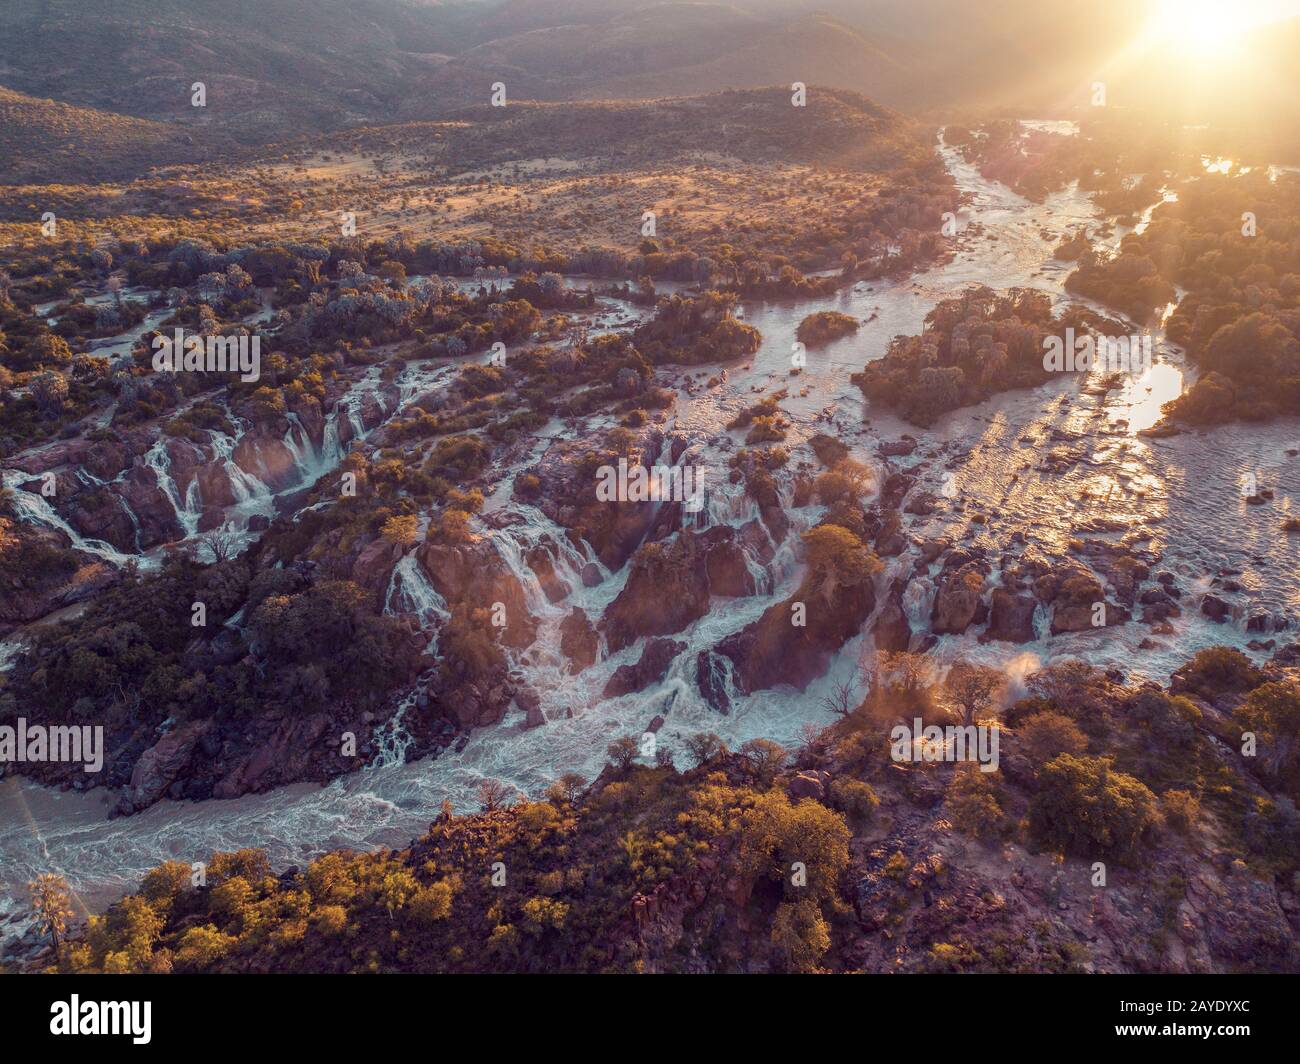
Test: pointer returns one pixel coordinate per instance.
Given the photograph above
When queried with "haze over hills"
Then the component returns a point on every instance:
(653, 50)
(284, 67)
(268, 66)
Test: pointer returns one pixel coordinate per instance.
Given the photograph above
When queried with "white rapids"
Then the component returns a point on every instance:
(1182, 491)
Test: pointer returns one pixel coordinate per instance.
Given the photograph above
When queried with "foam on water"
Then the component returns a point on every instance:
(1178, 496)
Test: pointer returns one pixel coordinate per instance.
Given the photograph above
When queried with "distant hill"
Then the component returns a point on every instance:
(664, 49)
(275, 68)
(278, 66)
(42, 141)
(269, 65)
(838, 129)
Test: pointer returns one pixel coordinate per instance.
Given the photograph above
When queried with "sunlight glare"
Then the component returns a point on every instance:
(1204, 28)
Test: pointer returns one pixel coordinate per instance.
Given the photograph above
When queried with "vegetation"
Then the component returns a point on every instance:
(825, 326)
(974, 346)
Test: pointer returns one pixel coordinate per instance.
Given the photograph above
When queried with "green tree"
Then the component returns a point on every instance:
(799, 935)
(1045, 735)
(1085, 807)
(838, 558)
(1272, 712)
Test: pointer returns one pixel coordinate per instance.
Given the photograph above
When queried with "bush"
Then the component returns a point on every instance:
(430, 904)
(973, 803)
(1272, 712)
(1045, 735)
(1084, 807)
(824, 326)
(776, 833)
(1216, 670)
(799, 936)
(201, 947)
(1181, 809)
(857, 799)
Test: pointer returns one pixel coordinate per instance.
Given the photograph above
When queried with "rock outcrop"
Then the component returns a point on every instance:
(669, 587)
(649, 669)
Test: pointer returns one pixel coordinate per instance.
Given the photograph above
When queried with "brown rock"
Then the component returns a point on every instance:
(650, 669)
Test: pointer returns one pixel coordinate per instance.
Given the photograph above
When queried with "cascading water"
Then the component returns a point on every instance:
(1191, 507)
(188, 512)
(409, 591)
(35, 508)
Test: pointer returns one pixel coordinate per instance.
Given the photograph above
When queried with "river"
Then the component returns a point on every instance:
(1181, 496)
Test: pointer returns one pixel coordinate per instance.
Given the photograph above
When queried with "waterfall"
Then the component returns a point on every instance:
(244, 485)
(918, 603)
(310, 465)
(9, 651)
(188, 512)
(409, 591)
(391, 738)
(34, 508)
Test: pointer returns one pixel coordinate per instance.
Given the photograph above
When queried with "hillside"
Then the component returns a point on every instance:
(837, 128)
(669, 49)
(288, 66)
(269, 67)
(57, 143)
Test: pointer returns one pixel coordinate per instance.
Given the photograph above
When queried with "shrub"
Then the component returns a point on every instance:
(776, 833)
(799, 936)
(201, 947)
(973, 803)
(402, 529)
(1045, 735)
(1215, 670)
(857, 799)
(1272, 712)
(1086, 808)
(1181, 809)
(824, 326)
(838, 558)
(430, 904)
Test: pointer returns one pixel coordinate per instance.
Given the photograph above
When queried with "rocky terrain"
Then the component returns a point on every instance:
(387, 567)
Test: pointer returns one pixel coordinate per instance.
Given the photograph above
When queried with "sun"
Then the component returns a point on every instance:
(1204, 28)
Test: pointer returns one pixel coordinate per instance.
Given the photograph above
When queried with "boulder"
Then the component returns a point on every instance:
(958, 603)
(579, 641)
(373, 568)
(476, 575)
(668, 587)
(892, 629)
(98, 513)
(157, 517)
(711, 679)
(1216, 609)
(1011, 618)
(160, 765)
(541, 559)
(268, 459)
(807, 785)
(772, 651)
(649, 669)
